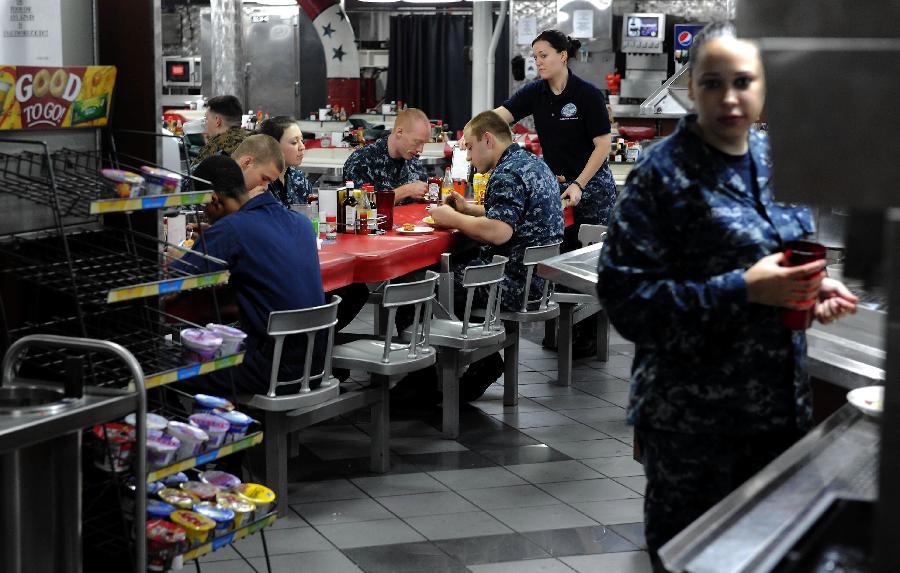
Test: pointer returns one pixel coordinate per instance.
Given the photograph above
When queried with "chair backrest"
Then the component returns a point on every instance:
(591, 234)
(489, 275)
(534, 255)
(309, 321)
(417, 293)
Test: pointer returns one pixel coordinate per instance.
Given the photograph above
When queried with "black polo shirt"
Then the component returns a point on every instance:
(566, 123)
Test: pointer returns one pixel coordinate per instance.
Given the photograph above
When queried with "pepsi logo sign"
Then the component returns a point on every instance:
(685, 38)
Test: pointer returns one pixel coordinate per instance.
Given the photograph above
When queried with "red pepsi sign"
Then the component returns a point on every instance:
(684, 35)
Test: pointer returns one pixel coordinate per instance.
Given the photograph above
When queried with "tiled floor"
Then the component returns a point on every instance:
(547, 487)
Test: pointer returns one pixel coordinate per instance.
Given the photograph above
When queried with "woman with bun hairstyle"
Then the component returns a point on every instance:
(292, 188)
(571, 120)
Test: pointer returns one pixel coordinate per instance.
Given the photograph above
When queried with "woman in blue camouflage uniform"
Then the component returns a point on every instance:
(292, 188)
(692, 273)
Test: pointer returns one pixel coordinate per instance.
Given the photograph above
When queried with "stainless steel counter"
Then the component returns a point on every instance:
(575, 269)
(850, 352)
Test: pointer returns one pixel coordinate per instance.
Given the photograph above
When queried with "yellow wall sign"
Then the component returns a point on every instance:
(48, 98)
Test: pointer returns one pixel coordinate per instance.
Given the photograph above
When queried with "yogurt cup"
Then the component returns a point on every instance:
(243, 510)
(200, 345)
(157, 509)
(114, 454)
(155, 487)
(154, 421)
(196, 526)
(223, 516)
(191, 437)
(215, 427)
(161, 449)
(179, 498)
(232, 338)
(160, 181)
(204, 403)
(125, 183)
(164, 540)
(238, 423)
(200, 490)
(258, 494)
(175, 480)
(224, 480)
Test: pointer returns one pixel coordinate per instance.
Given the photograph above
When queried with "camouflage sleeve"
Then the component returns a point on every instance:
(299, 187)
(638, 280)
(416, 171)
(206, 152)
(505, 199)
(356, 168)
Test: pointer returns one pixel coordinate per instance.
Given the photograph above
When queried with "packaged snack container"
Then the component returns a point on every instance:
(200, 344)
(260, 495)
(160, 181)
(223, 516)
(179, 498)
(204, 403)
(215, 427)
(243, 510)
(175, 480)
(224, 480)
(153, 488)
(195, 525)
(125, 183)
(232, 338)
(157, 509)
(161, 449)
(164, 540)
(238, 423)
(154, 421)
(191, 437)
(200, 490)
(118, 438)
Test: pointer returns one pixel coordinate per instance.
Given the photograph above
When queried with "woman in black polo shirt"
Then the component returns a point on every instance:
(573, 125)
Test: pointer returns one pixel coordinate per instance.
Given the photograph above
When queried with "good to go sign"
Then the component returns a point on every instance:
(50, 98)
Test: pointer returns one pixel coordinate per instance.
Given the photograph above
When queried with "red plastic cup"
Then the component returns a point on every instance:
(384, 201)
(799, 253)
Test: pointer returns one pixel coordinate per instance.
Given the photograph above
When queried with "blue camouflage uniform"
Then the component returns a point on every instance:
(707, 362)
(295, 190)
(372, 164)
(521, 192)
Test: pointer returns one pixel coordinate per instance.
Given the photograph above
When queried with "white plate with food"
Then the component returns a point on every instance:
(409, 229)
(868, 399)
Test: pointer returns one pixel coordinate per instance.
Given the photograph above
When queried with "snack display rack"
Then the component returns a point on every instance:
(98, 273)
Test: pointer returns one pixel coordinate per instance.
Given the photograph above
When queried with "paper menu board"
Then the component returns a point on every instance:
(31, 32)
(55, 97)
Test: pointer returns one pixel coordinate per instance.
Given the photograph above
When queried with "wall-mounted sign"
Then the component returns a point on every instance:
(31, 32)
(47, 98)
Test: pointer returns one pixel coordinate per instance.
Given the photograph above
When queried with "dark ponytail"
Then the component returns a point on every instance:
(559, 41)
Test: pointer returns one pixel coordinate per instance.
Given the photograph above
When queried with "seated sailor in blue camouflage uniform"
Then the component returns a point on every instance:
(292, 188)
(521, 209)
(392, 163)
(693, 272)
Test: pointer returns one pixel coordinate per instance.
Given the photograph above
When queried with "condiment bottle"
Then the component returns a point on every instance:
(331, 227)
(446, 186)
(362, 213)
(350, 204)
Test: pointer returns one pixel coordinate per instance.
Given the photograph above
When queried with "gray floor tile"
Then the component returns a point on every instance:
(496, 407)
(538, 390)
(614, 511)
(368, 533)
(435, 503)
(535, 419)
(425, 445)
(606, 448)
(398, 484)
(405, 558)
(341, 511)
(315, 562)
(540, 518)
(526, 378)
(405, 429)
(633, 532)
(617, 398)
(597, 387)
(570, 433)
(589, 417)
(456, 525)
(525, 455)
(326, 490)
(288, 522)
(588, 490)
(509, 497)
(570, 470)
(449, 461)
(622, 466)
(222, 554)
(533, 566)
(477, 478)
(628, 440)
(492, 548)
(614, 428)
(332, 433)
(636, 483)
(279, 541)
(584, 373)
(571, 402)
(631, 562)
(580, 541)
(338, 450)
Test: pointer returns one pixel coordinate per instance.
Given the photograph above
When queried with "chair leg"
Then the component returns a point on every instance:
(602, 336)
(448, 370)
(381, 428)
(550, 336)
(564, 346)
(276, 457)
(511, 365)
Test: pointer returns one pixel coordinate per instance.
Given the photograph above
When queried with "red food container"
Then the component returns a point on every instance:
(799, 253)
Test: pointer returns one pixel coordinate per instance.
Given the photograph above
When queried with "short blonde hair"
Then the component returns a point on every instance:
(488, 121)
(262, 148)
(409, 116)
